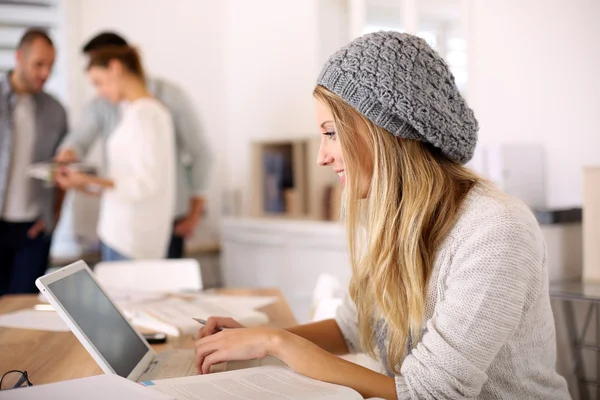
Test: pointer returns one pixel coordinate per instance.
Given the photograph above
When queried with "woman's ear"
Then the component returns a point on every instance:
(115, 67)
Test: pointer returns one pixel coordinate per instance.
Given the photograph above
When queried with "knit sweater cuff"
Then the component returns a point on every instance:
(352, 340)
(402, 391)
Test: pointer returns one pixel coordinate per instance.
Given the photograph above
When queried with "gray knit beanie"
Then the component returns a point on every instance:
(401, 84)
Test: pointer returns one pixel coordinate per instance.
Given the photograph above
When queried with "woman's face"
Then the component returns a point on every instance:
(330, 151)
(108, 81)
(331, 154)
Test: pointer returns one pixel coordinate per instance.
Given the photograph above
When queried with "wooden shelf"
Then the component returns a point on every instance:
(288, 183)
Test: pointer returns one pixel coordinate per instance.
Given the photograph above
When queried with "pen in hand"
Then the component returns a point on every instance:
(203, 322)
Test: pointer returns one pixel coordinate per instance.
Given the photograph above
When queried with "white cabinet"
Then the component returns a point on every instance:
(286, 254)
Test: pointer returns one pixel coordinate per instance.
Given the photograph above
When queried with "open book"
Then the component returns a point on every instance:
(265, 383)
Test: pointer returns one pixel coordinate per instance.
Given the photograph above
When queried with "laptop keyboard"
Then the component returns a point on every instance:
(173, 364)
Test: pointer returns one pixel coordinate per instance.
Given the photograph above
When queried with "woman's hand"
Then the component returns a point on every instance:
(234, 345)
(300, 354)
(68, 178)
(215, 324)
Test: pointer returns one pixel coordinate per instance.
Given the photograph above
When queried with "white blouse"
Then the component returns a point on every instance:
(136, 216)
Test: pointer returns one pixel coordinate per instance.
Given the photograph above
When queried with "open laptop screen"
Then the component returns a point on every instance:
(101, 322)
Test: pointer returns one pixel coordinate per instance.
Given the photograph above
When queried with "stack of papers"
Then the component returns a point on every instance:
(126, 297)
(173, 315)
(239, 302)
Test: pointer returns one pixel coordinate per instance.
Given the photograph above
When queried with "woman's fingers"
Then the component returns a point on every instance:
(213, 358)
(203, 349)
(232, 344)
(61, 179)
(214, 325)
(226, 322)
(209, 328)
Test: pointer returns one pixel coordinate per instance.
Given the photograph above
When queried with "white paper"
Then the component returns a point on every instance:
(173, 315)
(241, 302)
(100, 387)
(32, 319)
(123, 297)
(128, 296)
(264, 383)
(41, 171)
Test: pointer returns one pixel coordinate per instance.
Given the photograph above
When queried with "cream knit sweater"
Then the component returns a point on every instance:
(489, 331)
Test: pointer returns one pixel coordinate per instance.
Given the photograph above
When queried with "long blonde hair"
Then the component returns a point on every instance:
(395, 229)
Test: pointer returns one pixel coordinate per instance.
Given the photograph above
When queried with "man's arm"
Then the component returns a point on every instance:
(77, 143)
(192, 141)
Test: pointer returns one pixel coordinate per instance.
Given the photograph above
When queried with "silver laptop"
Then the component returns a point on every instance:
(106, 334)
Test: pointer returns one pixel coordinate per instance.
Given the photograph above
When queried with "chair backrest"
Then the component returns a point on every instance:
(327, 297)
(151, 275)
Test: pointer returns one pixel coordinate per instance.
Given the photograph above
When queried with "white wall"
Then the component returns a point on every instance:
(271, 67)
(533, 78)
(249, 67)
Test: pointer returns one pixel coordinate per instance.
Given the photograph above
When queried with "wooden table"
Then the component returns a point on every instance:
(57, 356)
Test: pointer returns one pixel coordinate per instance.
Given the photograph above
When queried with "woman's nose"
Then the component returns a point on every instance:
(324, 158)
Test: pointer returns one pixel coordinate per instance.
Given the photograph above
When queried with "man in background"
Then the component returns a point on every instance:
(100, 118)
(32, 124)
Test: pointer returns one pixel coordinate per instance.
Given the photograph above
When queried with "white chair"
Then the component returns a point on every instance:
(151, 275)
(327, 297)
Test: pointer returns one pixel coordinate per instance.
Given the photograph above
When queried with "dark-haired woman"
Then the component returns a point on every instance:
(138, 191)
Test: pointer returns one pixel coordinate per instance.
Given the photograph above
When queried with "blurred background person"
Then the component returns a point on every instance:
(138, 192)
(32, 124)
(100, 118)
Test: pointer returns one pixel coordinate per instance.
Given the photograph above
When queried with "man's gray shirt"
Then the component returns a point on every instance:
(50, 128)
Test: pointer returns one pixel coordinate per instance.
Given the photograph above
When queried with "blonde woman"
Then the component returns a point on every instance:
(449, 287)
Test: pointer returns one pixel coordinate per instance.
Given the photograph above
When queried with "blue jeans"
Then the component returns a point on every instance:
(175, 250)
(22, 259)
(110, 254)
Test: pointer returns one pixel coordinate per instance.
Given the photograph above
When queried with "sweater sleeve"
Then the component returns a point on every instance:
(146, 160)
(347, 320)
(493, 262)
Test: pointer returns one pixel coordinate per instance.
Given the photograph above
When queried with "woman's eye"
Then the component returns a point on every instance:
(330, 135)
